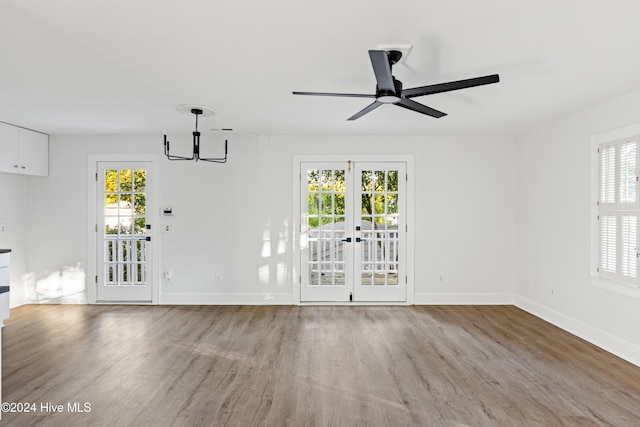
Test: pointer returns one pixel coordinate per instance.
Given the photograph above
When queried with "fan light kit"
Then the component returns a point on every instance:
(389, 90)
(196, 110)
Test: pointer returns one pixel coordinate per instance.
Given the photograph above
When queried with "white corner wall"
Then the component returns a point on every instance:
(225, 215)
(553, 207)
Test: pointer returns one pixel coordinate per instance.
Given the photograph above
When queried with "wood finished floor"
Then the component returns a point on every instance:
(309, 366)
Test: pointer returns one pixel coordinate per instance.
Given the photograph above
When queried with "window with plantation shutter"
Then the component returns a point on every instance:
(619, 211)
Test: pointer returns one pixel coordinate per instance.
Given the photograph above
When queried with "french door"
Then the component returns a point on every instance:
(353, 236)
(124, 242)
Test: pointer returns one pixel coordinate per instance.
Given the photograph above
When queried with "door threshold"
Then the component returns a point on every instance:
(142, 302)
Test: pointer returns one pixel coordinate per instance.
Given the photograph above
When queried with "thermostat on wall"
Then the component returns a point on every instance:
(166, 211)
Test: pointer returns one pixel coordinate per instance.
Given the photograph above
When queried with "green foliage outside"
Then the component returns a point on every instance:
(326, 196)
(326, 189)
(126, 189)
(374, 185)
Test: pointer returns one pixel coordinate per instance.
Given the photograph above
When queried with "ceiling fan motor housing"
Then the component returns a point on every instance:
(390, 97)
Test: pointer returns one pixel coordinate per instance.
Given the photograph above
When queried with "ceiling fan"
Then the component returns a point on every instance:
(389, 90)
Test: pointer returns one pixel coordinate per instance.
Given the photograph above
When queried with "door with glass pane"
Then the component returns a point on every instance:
(328, 217)
(123, 228)
(380, 231)
(353, 232)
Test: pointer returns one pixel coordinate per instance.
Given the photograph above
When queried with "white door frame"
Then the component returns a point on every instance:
(92, 241)
(408, 159)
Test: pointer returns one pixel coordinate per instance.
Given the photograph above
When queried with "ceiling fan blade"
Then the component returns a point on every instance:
(446, 87)
(419, 108)
(365, 110)
(382, 70)
(348, 95)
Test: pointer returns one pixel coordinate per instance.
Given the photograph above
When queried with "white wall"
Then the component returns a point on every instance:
(464, 210)
(553, 208)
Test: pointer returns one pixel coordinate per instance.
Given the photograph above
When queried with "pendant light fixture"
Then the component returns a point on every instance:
(196, 111)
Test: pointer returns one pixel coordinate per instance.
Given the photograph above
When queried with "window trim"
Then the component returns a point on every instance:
(601, 279)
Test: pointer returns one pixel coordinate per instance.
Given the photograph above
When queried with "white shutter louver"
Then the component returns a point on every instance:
(628, 247)
(608, 246)
(608, 174)
(628, 172)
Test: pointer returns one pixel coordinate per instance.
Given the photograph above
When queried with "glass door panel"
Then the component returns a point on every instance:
(123, 241)
(379, 241)
(353, 232)
(327, 219)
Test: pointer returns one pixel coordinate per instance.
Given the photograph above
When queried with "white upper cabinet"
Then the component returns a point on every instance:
(34, 152)
(9, 148)
(23, 151)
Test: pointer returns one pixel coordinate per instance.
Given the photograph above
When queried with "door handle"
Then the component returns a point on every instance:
(348, 240)
(358, 240)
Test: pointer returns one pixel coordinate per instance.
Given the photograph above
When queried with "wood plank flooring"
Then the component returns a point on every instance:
(308, 366)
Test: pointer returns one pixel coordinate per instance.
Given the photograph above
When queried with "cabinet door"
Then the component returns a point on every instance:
(4, 268)
(34, 152)
(9, 148)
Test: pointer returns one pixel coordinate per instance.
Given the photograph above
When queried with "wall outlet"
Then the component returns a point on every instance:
(216, 278)
(3, 228)
(167, 228)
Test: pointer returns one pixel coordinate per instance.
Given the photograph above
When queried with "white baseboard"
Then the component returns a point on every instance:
(225, 299)
(287, 299)
(623, 349)
(429, 298)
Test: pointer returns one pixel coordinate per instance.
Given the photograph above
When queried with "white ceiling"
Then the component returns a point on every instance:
(122, 66)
